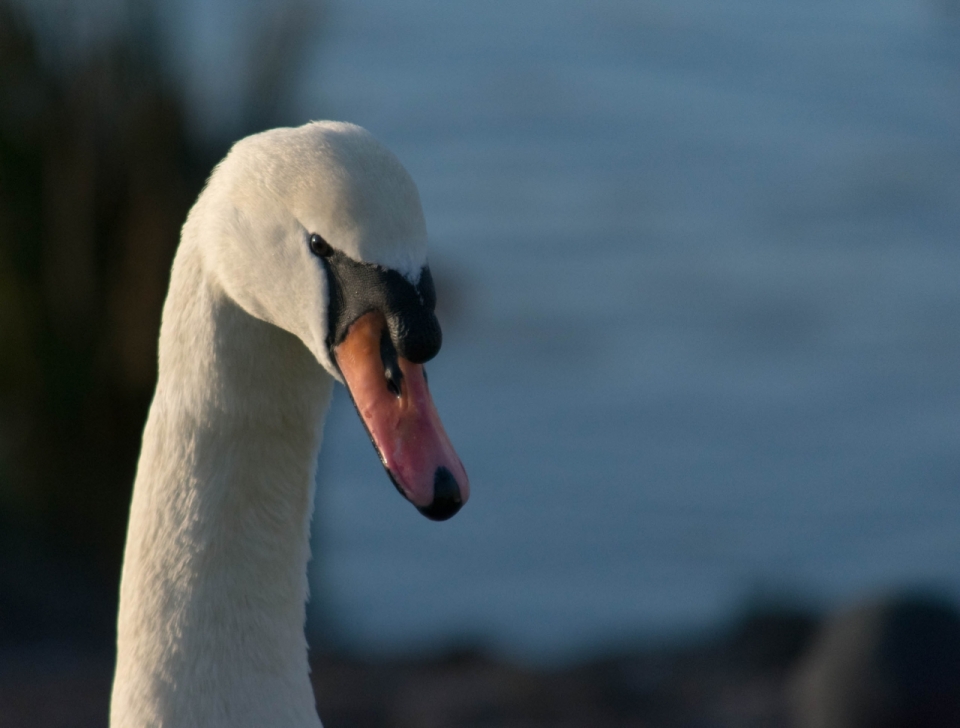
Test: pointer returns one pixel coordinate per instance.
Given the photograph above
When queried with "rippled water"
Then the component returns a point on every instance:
(700, 275)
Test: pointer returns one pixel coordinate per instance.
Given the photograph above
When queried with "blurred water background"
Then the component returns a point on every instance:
(704, 342)
(700, 288)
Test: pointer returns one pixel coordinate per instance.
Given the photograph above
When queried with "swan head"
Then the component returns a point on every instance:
(319, 231)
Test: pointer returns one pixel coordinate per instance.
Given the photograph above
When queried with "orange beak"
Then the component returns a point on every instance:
(392, 398)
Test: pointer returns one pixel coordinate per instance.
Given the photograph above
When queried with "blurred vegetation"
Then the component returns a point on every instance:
(99, 165)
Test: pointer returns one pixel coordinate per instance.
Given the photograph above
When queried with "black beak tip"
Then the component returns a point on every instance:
(446, 497)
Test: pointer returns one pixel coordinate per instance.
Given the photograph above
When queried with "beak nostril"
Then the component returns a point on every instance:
(393, 381)
(391, 367)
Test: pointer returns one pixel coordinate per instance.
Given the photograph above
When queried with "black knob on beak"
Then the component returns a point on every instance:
(416, 334)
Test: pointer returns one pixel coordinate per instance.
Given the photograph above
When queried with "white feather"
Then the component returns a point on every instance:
(210, 631)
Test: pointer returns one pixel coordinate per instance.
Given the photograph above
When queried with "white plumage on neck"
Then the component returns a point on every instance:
(214, 578)
(210, 631)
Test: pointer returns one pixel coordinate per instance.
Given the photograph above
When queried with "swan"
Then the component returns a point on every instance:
(303, 262)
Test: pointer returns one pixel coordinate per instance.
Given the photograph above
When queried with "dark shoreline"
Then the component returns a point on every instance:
(735, 678)
(892, 663)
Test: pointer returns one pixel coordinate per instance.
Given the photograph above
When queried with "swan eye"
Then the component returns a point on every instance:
(320, 247)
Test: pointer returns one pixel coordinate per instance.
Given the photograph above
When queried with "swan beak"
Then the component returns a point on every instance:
(393, 400)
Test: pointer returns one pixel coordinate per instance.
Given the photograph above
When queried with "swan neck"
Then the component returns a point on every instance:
(214, 584)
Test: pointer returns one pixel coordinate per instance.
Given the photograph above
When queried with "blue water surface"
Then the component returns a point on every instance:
(700, 282)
